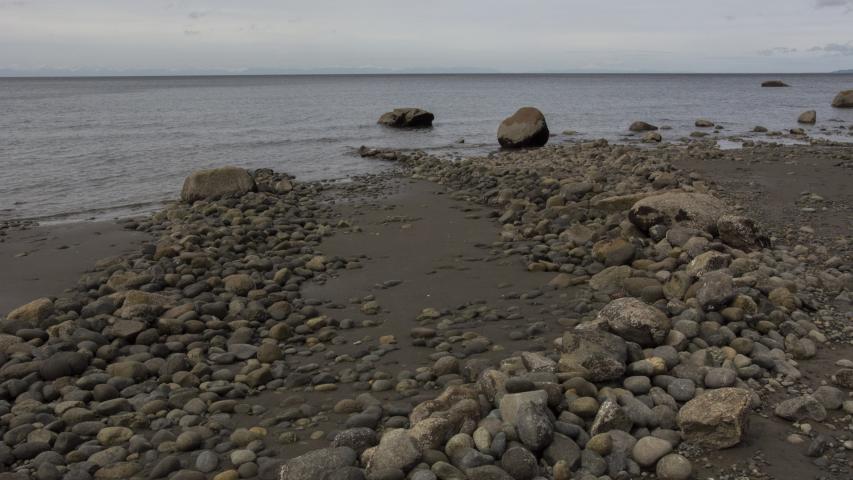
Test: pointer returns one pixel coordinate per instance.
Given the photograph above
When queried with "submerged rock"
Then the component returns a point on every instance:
(774, 83)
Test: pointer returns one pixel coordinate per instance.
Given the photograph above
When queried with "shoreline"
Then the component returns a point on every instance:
(374, 295)
(44, 260)
(722, 139)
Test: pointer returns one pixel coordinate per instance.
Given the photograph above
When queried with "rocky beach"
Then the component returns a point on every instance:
(584, 310)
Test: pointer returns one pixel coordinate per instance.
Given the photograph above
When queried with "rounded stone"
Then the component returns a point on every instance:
(674, 467)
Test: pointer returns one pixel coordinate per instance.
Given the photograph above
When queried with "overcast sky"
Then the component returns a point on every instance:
(444, 35)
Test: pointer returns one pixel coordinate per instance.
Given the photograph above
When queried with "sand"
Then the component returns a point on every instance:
(45, 260)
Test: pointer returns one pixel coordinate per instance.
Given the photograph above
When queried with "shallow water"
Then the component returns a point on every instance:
(100, 147)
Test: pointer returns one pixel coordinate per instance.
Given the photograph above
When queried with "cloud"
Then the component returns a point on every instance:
(769, 52)
(191, 32)
(730, 18)
(834, 3)
(845, 49)
(198, 15)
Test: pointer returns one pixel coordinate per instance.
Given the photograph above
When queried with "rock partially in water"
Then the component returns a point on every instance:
(215, 183)
(525, 128)
(843, 99)
(640, 126)
(808, 117)
(409, 117)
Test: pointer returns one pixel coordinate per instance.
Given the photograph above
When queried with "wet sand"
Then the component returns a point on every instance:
(45, 260)
(415, 244)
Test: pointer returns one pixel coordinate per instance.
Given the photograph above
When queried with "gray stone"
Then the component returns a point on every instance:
(648, 450)
(317, 464)
(636, 321)
(804, 407)
(595, 354)
(534, 427)
(396, 450)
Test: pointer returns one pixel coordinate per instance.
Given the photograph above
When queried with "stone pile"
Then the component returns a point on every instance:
(701, 321)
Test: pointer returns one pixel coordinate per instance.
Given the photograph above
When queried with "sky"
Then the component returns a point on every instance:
(266, 36)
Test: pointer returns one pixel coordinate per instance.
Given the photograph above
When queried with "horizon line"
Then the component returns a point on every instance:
(389, 73)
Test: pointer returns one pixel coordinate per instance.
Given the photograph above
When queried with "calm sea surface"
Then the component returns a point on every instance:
(74, 148)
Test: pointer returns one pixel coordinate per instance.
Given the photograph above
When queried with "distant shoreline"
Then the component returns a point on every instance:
(31, 76)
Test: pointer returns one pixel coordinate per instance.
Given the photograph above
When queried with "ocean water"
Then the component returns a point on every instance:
(74, 148)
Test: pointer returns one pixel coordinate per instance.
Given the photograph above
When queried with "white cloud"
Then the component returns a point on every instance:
(833, 3)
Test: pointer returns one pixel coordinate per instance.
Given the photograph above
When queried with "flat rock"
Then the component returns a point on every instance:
(717, 419)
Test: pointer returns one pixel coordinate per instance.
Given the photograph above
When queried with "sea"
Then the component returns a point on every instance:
(96, 148)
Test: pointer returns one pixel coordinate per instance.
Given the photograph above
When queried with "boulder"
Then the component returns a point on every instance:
(642, 127)
(740, 232)
(317, 464)
(703, 123)
(397, 450)
(525, 128)
(511, 404)
(215, 183)
(636, 321)
(843, 99)
(804, 407)
(695, 210)
(35, 314)
(407, 118)
(714, 290)
(652, 137)
(594, 354)
(809, 117)
(716, 419)
(774, 83)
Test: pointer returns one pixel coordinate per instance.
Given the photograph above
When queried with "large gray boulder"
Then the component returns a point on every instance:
(215, 183)
(525, 128)
(695, 210)
(716, 419)
(843, 99)
(636, 321)
(409, 117)
(594, 354)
